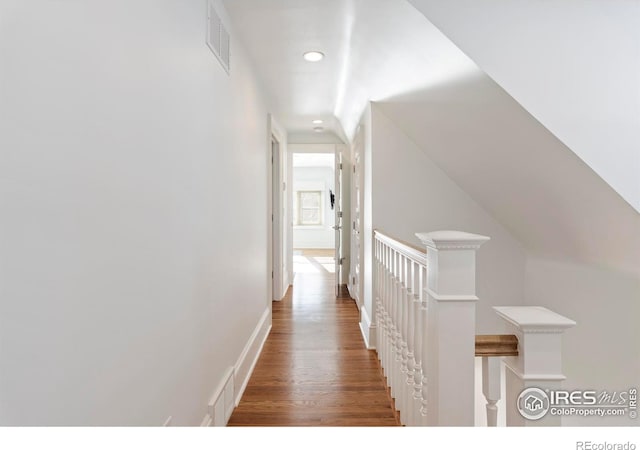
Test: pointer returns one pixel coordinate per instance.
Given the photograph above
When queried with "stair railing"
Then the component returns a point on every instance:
(425, 314)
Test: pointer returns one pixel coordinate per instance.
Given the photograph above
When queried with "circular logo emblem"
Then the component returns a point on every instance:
(533, 403)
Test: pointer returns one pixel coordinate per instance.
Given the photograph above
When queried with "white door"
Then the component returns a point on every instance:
(337, 207)
(356, 219)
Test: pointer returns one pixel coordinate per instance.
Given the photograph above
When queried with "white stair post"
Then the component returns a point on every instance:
(449, 344)
(538, 366)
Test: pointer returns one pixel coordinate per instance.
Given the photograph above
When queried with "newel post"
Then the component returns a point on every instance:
(538, 366)
(449, 341)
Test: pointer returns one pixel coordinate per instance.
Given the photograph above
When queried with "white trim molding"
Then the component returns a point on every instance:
(249, 356)
(452, 240)
(368, 329)
(449, 342)
(234, 381)
(220, 404)
(534, 319)
(207, 421)
(539, 361)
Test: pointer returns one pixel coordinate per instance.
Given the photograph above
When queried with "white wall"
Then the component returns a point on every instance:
(603, 351)
(574, 65)
(315, 179)
(411, 194)
(314, 138)
(132, 239)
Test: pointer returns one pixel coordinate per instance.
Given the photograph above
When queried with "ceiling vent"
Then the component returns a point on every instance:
(218, 38)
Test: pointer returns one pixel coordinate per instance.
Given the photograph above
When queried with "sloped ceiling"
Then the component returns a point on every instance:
(573, 64)
(549, 199)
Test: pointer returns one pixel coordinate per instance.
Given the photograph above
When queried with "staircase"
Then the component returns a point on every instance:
(425, 306)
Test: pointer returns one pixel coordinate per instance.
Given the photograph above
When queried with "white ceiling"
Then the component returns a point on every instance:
(375, 49)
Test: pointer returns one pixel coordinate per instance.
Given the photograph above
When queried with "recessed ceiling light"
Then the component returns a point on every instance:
(317, 122)
(318, 129)
(313, 56)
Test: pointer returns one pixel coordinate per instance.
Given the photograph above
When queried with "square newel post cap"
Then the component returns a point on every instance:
(539, 333)
(452, 240)
(534, 319)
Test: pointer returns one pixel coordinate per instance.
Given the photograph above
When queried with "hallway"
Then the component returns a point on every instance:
(314, 369)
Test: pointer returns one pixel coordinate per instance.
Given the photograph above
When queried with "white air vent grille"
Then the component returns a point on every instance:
(218, 38)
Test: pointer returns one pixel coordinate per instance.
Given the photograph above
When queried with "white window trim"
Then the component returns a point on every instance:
(319, 225)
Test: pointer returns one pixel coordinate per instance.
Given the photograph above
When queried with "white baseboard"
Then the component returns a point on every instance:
(352, 292)
(234, 381)
(284, 293)
(221, 403)
(365, 338)
(249, 356)
(367, 329)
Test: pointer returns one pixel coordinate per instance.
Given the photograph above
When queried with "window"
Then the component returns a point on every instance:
(309, 208)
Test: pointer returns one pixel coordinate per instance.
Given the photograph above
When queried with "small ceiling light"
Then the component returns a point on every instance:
(313, 56)
(317, 122)
(318, 129)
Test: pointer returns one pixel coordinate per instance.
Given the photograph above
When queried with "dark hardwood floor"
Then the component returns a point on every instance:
(314, 369)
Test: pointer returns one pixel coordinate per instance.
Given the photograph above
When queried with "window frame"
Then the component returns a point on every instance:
(299, 208)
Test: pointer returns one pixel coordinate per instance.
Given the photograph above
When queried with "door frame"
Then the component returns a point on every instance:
(355, 283)
(344, 195)
(277, 212)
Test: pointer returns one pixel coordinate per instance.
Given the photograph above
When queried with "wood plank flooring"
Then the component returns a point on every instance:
(314, 369)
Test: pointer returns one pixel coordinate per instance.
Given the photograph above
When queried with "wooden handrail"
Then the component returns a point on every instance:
(496, 345)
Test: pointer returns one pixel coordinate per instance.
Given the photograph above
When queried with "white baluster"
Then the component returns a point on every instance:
(385, 318)
(400, 279)
(423, 318)
(398, 323)
(491, 381)
(411, 362)
(399, 336)
(379, 294)
(397, 320)
(390, 330)
(418, 343)
(391, 321)
(405, 338)
(402, 389)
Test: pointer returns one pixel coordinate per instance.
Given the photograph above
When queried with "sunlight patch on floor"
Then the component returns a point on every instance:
(313, 264)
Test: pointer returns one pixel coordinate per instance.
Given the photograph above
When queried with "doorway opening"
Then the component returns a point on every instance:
(313, 213)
